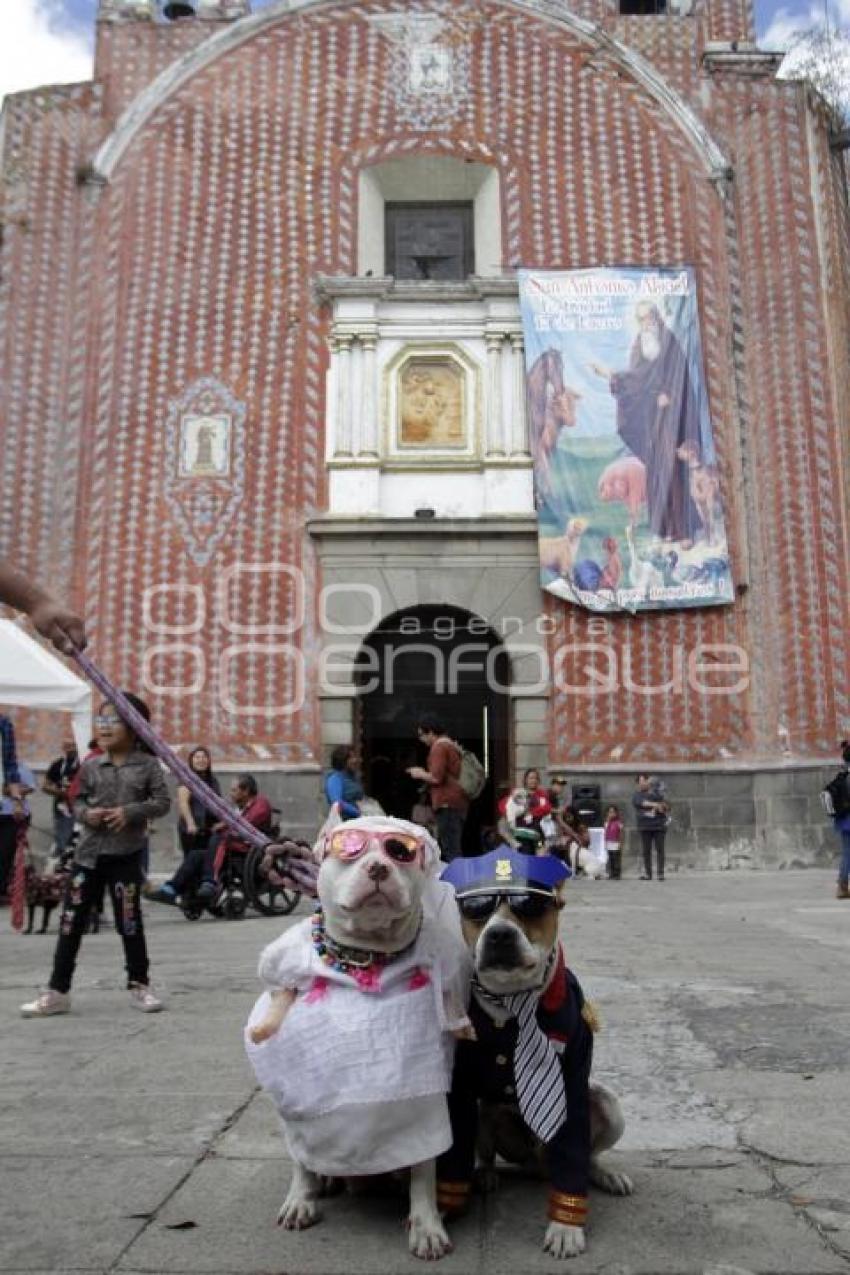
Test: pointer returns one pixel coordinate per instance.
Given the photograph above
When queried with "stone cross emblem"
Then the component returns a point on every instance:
(430, 77)
(429, 69)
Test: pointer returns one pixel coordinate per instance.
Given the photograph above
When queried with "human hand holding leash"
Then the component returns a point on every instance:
(52, 618)
(297, 860)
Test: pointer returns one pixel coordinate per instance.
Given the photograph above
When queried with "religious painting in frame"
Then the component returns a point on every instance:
(627, 485)
(430, 404)
(431, 407)
(205, 446)
(204, 479)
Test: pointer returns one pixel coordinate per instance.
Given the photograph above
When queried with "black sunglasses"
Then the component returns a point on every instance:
(527, 906)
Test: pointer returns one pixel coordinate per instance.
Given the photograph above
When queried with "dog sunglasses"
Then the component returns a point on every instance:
(528, 905)
(349, 843)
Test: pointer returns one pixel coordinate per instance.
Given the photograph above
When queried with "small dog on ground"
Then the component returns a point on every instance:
(354, 1038)
(45, 889)
(583, 862)
(45, 886)
(529, 1065)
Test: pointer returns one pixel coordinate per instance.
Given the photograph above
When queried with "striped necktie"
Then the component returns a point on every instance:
(540, 1089)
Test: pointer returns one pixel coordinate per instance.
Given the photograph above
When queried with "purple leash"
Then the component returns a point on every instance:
(302, 871)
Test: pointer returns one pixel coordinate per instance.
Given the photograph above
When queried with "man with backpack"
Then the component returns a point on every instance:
(836, 800)
(442, 775)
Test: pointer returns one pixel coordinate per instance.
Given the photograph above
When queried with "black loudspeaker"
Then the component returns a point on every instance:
(174, 9)
(587, 803)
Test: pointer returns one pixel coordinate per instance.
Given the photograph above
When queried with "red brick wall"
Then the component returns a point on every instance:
(197, 261)
(129, 55)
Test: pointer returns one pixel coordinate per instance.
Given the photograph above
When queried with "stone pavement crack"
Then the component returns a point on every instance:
(784, 1193)
(203, 1155)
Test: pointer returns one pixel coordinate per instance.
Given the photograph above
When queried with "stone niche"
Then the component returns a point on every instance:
(426, 378)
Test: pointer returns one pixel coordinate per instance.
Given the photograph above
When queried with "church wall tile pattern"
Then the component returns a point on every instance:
(197, 260)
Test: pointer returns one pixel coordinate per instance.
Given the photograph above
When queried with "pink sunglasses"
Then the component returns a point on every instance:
(350, 843)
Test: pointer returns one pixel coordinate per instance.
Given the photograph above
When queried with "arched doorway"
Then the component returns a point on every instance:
(443, 660)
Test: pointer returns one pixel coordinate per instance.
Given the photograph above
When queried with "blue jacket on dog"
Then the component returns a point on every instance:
(484, 1070)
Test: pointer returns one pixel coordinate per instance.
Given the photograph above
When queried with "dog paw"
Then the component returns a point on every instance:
(564, 1241)
(611, 1180)
(427, 1238)
(298, 1212)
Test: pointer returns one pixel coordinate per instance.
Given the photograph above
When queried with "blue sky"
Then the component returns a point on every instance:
(50, 41)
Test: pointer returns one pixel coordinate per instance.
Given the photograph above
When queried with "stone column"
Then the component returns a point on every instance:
(519, 412)
(495, 444)
(342, 441)
(369, 405)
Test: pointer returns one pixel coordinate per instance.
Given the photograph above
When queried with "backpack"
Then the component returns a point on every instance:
(473, 776)
(835, 797)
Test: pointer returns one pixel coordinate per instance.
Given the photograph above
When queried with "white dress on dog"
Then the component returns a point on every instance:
(361, 1065)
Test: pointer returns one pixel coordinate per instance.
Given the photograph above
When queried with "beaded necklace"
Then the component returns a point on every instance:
(342, 958)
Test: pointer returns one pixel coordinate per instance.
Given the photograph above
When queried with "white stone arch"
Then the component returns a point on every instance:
(137, 114)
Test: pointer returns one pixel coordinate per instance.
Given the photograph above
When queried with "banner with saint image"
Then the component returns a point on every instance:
(630, 515)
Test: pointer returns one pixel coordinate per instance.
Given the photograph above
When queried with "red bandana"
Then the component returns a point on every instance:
(556, 993)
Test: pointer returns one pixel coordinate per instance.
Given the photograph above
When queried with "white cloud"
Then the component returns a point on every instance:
(822, 55)
(787, 23)
(35, 50)
(783, 26)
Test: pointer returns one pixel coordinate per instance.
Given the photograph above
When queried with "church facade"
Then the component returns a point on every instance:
(265, 414)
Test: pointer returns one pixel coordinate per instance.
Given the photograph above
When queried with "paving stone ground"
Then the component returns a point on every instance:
(133, 1143)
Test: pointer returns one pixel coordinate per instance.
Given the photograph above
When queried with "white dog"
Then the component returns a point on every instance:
(583, 860)
(354, 1039)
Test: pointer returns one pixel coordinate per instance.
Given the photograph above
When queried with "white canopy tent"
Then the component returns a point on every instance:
(30, 677)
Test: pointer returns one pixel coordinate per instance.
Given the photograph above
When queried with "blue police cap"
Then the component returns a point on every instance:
(505, 871)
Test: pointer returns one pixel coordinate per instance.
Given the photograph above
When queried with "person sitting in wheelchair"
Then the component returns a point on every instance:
(200, 871)
(254, 809)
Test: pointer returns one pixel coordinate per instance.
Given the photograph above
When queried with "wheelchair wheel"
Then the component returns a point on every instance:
(234, 906)
(262, 894)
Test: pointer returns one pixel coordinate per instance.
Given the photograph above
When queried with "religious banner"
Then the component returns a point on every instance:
(628, 497)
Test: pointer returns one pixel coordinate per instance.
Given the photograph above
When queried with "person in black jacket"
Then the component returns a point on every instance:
(57, 783)
(652, 818)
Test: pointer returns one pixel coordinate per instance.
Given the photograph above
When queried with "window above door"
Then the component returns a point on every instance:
(429, 217)
(429, 240)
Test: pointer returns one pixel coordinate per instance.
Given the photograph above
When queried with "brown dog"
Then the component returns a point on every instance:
(559, 553)
(704, 486)
(510, 905)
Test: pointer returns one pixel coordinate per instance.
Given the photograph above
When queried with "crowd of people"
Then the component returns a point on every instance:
(530, 816)
(103, 805)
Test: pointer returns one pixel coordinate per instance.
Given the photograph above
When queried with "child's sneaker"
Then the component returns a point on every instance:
(47, 1004)
(141, 997)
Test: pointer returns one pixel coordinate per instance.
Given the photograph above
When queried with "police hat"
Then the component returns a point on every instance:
(506, 872)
